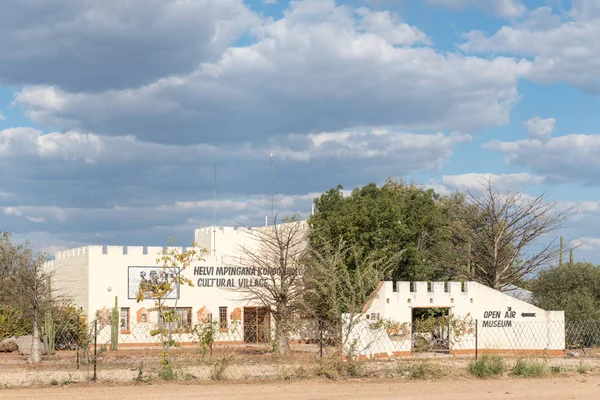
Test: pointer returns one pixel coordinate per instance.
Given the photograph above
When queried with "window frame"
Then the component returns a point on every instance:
(223, 319)
(127, 327)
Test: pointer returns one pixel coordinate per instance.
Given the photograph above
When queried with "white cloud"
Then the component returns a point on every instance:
(501, 8)
(321, 67)
(474, 182)
(540, 128)
(571, 157)
(563, 48)
(12, 211)
(2, 117)
(589, 244)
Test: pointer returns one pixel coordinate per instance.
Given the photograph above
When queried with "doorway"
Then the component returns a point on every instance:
(257, 325)
(431, 330)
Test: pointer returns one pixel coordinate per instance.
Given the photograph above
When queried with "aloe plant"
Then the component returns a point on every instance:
(114, 327)
(48, 329)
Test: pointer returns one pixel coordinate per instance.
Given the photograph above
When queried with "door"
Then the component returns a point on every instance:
(257, 325)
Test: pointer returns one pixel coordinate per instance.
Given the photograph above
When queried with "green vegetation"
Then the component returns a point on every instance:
(486, 366)
(421, 370)
(574, 288)
(530, 368)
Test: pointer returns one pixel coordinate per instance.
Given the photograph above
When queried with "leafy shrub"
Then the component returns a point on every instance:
(530, 369)
(486, 366)
(13, 323)
(70, 326)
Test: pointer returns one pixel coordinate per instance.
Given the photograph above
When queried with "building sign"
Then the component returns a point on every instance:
(231, 277)
(492, 319)
(138, 275)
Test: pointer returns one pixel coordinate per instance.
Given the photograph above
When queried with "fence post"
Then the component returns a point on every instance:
(78, 356)
(95, 377)
(321, 343)
(476, 339)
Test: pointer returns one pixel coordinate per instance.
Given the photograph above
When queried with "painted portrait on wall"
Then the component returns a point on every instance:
(140, 275)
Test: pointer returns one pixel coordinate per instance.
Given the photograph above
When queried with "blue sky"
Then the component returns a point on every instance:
(112, 117)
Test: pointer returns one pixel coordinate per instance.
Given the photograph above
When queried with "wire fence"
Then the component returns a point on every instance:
(210, 350)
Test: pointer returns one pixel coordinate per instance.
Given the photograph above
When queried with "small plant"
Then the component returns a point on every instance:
(189, 377)
(141, 378)
(335, 365)
(556, 369)
(420, 371)
(582, 368)
(487, 366)
(166, 368)
(205, 334)
(220, 367)
(530, 369)
(54, 382)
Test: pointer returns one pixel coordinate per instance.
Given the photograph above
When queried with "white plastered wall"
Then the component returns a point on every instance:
(503, 322)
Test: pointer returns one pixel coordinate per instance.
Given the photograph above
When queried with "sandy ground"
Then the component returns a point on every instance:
(579, 387)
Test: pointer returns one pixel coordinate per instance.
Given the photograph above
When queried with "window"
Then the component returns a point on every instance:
(124, 319)
(182, 317)
(223, 317)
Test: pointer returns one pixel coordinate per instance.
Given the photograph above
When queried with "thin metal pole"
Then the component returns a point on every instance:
(215, 211)
(95, 377)
(272, 188)
(476, 339)
(321, 338)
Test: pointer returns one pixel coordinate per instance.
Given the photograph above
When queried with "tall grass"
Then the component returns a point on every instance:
(487, 366)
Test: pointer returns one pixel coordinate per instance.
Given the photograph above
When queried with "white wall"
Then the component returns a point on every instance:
(70, 280)
(501, 320)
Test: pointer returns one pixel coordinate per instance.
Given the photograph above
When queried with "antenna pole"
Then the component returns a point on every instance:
(272, 185)
(215, 210)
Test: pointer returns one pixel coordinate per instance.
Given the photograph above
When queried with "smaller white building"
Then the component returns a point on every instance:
(480, 318)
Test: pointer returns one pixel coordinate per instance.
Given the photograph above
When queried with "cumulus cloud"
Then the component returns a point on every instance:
(539, 127)
(2, 117)
(501, 8)
(475, 182)
(366, 73)
(78, 184)
(562, 47)
(571, 157)
(84, 45)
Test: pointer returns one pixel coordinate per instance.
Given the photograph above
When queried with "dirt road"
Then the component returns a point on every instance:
(578, 387)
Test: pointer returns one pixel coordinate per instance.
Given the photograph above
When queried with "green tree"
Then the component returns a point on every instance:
(396, 218)
(339, 282)
(173, 262)
(574, 288)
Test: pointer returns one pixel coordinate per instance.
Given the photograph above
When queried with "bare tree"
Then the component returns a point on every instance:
(276, 258)
(500, 231)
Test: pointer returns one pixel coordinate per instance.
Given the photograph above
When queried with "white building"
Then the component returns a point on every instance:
(93, 275)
